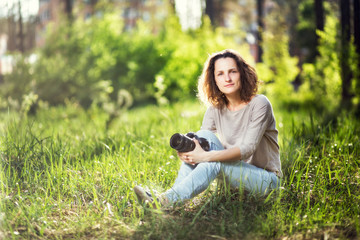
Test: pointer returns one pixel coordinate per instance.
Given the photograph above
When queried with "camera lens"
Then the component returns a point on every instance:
(176, 141)
(181, 143)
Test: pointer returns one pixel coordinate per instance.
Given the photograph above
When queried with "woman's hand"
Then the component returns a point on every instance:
(198, 155)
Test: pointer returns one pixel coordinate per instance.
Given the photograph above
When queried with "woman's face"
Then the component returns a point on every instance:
(227, 76)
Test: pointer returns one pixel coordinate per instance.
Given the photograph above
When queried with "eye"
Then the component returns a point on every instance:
(219, 74)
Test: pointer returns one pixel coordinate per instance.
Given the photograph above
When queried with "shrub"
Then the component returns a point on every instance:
(89, 62)
(18, 83)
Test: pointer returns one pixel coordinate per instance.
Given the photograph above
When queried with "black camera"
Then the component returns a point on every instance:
(185, 143)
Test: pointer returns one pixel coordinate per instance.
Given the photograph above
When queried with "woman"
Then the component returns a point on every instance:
(246, 151)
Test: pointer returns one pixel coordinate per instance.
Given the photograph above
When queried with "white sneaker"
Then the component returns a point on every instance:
(146, 198)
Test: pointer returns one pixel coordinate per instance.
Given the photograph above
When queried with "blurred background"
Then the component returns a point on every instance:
(117, 54)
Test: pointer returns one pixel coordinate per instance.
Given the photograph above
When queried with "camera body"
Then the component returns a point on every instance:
(185, 143)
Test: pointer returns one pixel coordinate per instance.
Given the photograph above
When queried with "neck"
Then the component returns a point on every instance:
(235, 104)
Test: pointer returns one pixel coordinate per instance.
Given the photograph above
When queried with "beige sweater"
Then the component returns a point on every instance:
(252, 129)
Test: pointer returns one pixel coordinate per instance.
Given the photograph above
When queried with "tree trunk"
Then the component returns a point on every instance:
(260, 29)
(215, 10)
(357, 44)
(12, 40)
(21, 30)
(319, 14)
(345, 52)
(93, 5)
(68, 10)
(209, 10)
(357, 26)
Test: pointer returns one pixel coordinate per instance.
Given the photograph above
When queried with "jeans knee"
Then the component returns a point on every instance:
(213, 140)
(205, 133)
(210, 167)
(275, 182)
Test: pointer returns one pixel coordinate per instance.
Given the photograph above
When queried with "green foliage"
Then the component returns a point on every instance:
(354, 62)
(278, 69)
(189, 51)
(306, 26)
(80, 60)
(17, 84)
(91, 61)
(323, 78)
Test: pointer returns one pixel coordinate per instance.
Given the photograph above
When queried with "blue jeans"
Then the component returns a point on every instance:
(194, 179)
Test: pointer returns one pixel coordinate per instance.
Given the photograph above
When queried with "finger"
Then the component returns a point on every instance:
(181, 155)
(197, 143)
(189, 159)
(184, 157)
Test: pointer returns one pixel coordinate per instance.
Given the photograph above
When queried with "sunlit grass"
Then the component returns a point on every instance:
(64, 174)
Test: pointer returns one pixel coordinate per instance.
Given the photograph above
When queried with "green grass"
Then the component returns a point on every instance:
(64, 175)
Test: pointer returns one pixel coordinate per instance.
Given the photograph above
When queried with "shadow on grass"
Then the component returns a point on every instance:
(232, 215)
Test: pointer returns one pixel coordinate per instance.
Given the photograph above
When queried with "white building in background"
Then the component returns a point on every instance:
(6, 61)
(3, 44)
(190, 13)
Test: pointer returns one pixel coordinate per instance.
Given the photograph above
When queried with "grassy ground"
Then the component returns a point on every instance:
(64, 175)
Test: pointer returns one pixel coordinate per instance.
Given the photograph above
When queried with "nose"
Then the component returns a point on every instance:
(227, 77)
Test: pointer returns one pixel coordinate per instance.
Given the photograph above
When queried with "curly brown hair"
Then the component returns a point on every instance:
(209, 92)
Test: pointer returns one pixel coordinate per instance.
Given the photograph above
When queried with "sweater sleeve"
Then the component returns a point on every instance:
(259, 121)
(209, 120)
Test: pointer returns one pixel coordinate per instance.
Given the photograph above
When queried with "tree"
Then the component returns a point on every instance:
(357, 25)
(11, 31)
(215, 10)
(21, 30)
(356, 15)
(345, 52)
(68, 9)
(210, 11)
(260, 28)
(319, 16)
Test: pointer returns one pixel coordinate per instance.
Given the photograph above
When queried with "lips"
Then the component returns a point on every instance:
(229, 85)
